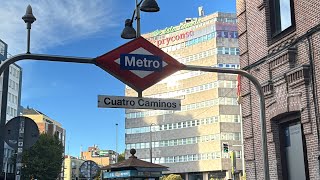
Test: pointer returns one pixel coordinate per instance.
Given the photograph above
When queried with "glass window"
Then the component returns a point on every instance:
(238, 154)
(237, 136)
(236, 118)
(156, 144)
(281, 15)
(226, 51)
(233, 51)
(179, 125)
(171, 143)
(220, 51)
(184, 124)
(237, 51)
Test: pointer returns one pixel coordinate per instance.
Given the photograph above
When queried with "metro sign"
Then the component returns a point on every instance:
(139, 64)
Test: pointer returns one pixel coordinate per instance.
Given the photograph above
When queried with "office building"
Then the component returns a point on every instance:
(190, 141)
(279, 45)
(10, 93)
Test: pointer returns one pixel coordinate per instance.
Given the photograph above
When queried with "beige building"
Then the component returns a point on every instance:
(190, 141)
(45, 123)
(71, 167)
(101, 157)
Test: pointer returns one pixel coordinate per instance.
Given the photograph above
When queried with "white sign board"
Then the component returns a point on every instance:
(138, 103)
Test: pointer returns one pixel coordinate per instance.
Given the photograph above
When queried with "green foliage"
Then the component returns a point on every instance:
(98, 177)
(171, 177)
(44, 159)
(121, 157)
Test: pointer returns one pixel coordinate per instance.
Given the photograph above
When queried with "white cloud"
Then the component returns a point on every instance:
(58, 22)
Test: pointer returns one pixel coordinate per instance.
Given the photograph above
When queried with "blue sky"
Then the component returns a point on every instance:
(68, 92)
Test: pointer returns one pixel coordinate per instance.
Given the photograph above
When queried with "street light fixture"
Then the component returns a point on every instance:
(147, 6)
(152, 124)
(28, 19)
(128, 32)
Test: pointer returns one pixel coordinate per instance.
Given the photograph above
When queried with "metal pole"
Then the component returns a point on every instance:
(150, 143)
(5, 64)
(242, 145)
(44, 57)
(138, 18)
(28, 40)
(262, 106)
(152, 124)
(5, 169)
(20, 149)
(116, 137)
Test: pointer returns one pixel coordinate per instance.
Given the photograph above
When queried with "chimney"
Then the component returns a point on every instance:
(201, 11)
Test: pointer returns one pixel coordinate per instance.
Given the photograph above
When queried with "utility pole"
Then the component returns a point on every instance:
(116, 137)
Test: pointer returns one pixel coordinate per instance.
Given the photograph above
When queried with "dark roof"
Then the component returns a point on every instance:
(134, 162)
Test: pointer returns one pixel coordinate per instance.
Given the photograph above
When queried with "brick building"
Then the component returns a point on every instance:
(45, 123)
(279, 44)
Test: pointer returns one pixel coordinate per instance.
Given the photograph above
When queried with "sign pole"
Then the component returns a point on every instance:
(100, 61)
(20, 149)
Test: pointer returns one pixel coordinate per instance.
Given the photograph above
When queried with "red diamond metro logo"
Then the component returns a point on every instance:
(139, 64)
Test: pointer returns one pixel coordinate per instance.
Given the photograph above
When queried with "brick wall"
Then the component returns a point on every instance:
(284, 70)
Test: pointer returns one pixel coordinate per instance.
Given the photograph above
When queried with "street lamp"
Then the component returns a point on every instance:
(116, 154)
(28, 19)
(147, 6)
(152, 124)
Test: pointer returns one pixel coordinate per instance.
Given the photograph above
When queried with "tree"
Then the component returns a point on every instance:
(44, 159)
(172, 177)
(121, 157)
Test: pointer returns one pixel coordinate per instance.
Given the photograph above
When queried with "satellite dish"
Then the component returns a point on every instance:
(30, 132)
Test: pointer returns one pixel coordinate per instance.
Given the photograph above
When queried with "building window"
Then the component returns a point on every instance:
(282, 16)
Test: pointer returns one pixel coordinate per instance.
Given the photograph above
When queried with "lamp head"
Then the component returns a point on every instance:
(128, 32)
(29, 17)
(149, 6)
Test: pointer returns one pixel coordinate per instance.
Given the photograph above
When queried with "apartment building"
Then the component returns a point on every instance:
(45, 123)
(10, 98)
(190, 141)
